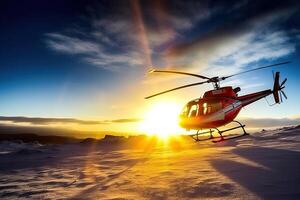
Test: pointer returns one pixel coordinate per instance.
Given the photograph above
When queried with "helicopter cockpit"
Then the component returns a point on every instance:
(200, 107)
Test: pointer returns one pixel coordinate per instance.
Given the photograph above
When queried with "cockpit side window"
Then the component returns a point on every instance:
(215, 106)
(210, 107)
(193, 111)
(185, 111)
(205, 109)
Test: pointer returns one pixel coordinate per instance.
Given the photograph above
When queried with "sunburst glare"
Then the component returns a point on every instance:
(162, 120)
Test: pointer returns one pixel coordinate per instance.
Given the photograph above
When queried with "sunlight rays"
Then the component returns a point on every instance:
(161, 120)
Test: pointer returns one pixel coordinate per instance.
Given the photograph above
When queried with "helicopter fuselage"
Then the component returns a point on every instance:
(220, 106)
(217, 108)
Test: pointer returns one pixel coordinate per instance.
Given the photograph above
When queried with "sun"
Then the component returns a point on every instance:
(162, 120)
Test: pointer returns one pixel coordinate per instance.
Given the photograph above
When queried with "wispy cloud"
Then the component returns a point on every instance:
(72, 45)
(48, 121)
(93, 52)
(253, 48)
(178, 34)
(125, 120)
(233, 46)
(116, 40)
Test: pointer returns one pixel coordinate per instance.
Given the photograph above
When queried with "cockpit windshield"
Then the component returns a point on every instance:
(201, 108)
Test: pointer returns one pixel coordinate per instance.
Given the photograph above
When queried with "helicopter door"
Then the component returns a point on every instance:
(211, 107)
(215, 109)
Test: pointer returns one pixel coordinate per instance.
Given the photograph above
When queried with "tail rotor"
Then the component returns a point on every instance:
(278, 88)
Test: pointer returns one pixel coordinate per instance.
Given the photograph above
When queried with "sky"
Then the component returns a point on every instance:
(83, 64)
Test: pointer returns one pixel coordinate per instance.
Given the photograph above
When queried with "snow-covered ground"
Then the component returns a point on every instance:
(265, 165)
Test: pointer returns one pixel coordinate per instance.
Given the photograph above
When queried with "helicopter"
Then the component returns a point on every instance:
(220, 106)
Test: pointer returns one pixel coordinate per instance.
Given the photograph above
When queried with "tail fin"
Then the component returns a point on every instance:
(277, 88)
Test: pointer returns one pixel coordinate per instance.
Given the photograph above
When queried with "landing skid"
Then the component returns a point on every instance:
(220, 138)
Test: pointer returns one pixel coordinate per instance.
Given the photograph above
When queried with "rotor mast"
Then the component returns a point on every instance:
(216, 82)
(216, 85)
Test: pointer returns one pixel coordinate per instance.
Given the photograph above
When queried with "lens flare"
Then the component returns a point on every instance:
(162, 120)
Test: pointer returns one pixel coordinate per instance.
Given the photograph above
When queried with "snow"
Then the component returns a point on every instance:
(264, 165)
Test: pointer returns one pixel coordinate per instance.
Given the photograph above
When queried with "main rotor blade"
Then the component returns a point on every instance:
(283, 94)
(283, 63)
(176, 72)
(177, 88)
(283, 82)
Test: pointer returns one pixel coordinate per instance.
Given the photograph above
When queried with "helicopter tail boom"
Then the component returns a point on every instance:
(250, 98)
(276, 92)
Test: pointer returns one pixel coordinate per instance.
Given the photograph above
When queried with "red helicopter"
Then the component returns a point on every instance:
(221, 105)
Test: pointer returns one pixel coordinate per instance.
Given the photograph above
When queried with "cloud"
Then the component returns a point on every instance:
(252, 17)
(71, 45)
(47, 121)
(128, 35)
(125, 120)
(132, 35)
(110, 44)
(256, 35)
(93, 52)
(251, 49)
(250, 122)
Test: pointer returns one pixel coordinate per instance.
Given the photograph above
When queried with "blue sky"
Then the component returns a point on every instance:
(88, 59)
